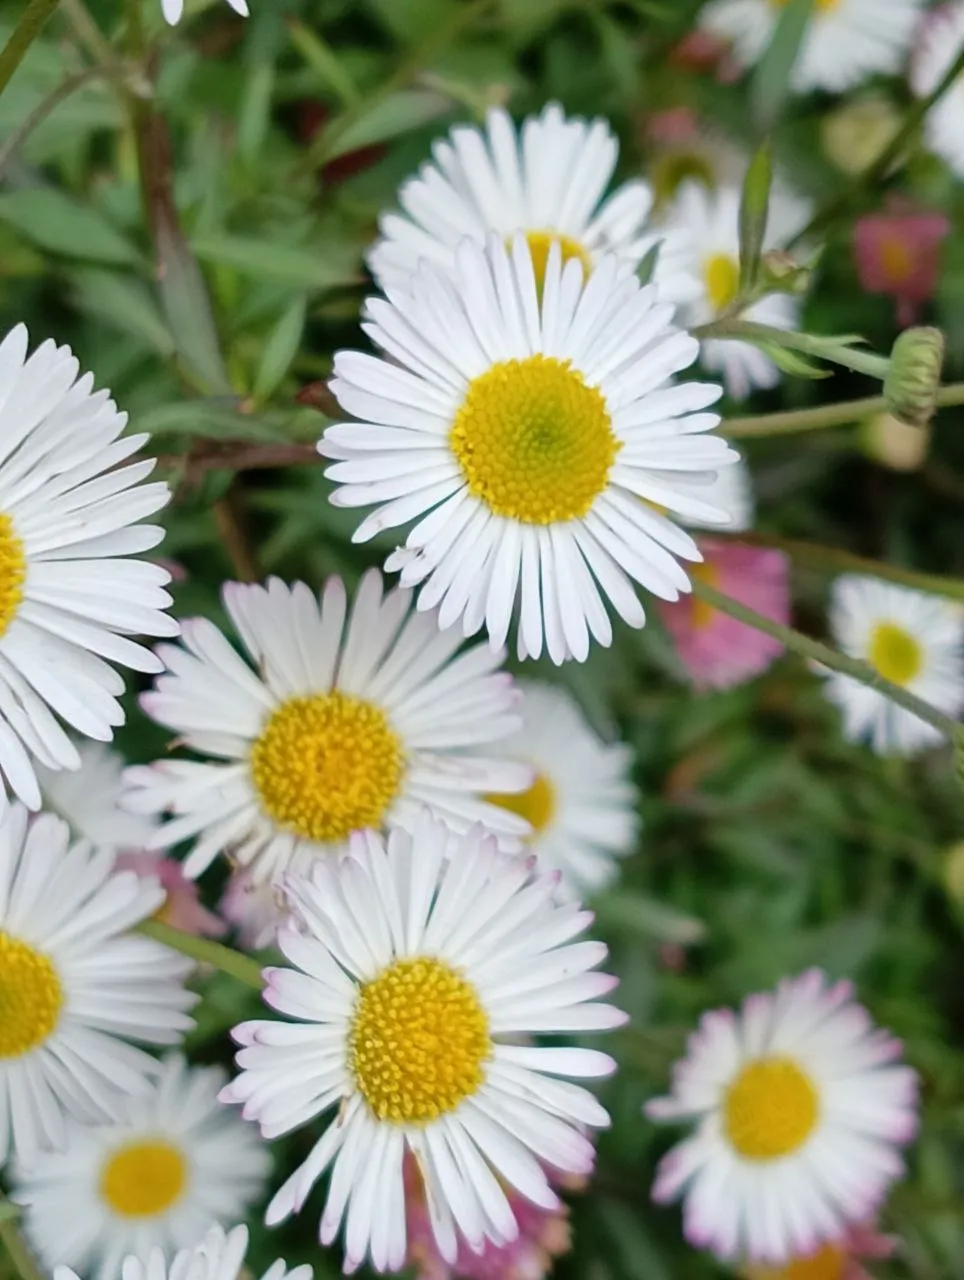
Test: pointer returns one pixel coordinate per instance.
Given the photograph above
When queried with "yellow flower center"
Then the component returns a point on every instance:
(770, 1109)
(31, 997)
(143, 1179)
(540, 242)
(702, 614)
(419, 1041)
(898, 259)
(534, 442)
(828, 1264)
(721, 274)
(537, 805)
(13, 572)
(327, 765)
(894, 653)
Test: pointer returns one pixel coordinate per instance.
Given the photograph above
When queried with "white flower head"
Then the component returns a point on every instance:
(800, 1109)
(520, 428)
(847, 41)
(88, 800)
(940, 44)
(546, 181)
(713, 221)
(172, 1163)
(173, 9)
(70, 593)
(581, 805)
(416, 970)
(352, 721)
(912, 639)
(220, 1256)
(75, 985)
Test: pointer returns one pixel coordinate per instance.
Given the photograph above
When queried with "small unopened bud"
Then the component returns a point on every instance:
(894, 443)
(914, 377)
(856, 134)
(784, 274)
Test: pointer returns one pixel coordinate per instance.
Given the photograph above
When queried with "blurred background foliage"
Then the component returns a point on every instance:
(268, 148)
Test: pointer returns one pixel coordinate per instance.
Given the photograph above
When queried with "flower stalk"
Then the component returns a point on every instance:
(13, 1243)
(204, 951)
(32, 22)
(825, 415)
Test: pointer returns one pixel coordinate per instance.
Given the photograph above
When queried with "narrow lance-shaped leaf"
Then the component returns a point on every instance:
(754, 208)
(774, 73)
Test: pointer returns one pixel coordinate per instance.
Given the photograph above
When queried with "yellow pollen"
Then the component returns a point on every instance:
(722, 276)
(702, 614)
(534, 442)
(828, 1264)
(143, 1179)
(537, 805)
(327, 765)
(13, 572)
(898, 259)
(31, 997)
(540, 242)
(895, 653)
(770, 1109)
(419, 1041)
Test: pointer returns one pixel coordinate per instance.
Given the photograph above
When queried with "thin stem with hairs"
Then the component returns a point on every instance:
(204, 951)
(825, 415)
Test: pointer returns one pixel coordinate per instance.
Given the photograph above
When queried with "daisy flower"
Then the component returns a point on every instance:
(173, 9)
(220, 1256)
(168, 1166)
(800, 1111)
(847, 40)
(713, 220)
(544, 1235)
(75, 985)
(70, 593)
(255, 910)
(88, 799)
(910, 638)
(352, 720)
(940, 43)
(417, 967)
(547, 182)
(841, 1261)
(581, 806)
(716, 650)
(520, 430)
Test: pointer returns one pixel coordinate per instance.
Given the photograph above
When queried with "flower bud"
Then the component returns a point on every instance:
(914, 377)
(894, 443)
(856, 134)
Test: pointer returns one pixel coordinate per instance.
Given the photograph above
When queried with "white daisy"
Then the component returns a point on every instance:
(88, 800)
(912, 639)
(219, 1256)
(582, 804)
(173, 9)
(548, 182)
(344, 726)
(713, 220)
(800, 1113)
(731, 491)
(70, 595)
(940, 44)
(848, 40)
(520, 430)
(75, 985)
(169, 1165)
(417, 969)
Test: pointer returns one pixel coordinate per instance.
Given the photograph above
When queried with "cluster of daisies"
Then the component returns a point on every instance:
(409, 828)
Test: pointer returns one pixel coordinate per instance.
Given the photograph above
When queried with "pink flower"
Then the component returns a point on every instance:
(898, 254)
(182, 908)
(256, 910)
(542, 1237)
(834, 1261)
(716, 650)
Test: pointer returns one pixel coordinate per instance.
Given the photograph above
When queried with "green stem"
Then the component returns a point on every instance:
(825, 415)
(12, 1241)
(815, 651)
(204, 951)
(40, 113)
(869, 179)
(837, 352)
(32, 22)
(835, 560)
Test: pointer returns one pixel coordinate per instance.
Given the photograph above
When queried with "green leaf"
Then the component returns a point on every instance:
(634, 912)
(330, 70)
(211, 420)
(56, 222)
(302, 267)
(772, 78)
(280, 349)
(125, 304)
(754, 207)
(390, 117)
(792, 362)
